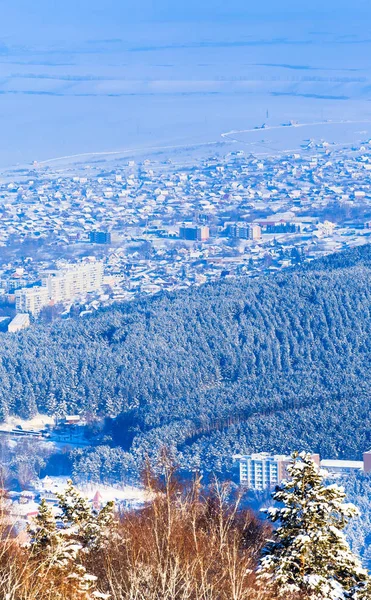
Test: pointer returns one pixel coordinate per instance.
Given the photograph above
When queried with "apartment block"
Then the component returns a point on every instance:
(263, 471)
(255, 232)
(100, 237)
(238, 230)
(244, 231)
(194, 232)
(70, 281)
(31, 300)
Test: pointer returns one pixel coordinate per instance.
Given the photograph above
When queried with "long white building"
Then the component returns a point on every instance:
(262, 470)
(70, 281)
(65, 283)
(20, 321)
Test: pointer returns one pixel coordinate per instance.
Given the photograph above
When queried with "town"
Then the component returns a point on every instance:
(78, 237)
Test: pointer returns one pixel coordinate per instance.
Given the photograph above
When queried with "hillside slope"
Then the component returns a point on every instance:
(275, 363)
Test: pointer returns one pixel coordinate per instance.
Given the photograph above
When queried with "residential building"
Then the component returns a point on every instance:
(255, 232)
(71, 280)
(244, 231)
(238, 230)
(263, 471)
(194, 232)
(100, 237)
(31, 300)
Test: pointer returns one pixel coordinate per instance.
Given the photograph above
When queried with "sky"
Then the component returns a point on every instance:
(83, 76)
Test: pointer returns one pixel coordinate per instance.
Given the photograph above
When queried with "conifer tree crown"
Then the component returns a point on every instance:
(309, 552)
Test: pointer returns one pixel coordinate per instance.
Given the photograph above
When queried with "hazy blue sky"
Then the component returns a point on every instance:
(91, 16)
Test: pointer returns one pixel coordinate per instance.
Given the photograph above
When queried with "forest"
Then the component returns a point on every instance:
(273, 363)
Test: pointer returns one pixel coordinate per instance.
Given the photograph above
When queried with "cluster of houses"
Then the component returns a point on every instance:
(160, 225)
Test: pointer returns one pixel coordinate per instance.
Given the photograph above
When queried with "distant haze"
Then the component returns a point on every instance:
(84, 76)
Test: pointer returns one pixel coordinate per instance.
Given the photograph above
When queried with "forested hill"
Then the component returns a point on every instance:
(273, 363)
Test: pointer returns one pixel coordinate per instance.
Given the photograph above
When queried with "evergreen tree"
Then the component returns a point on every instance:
(45, 537)
(309, 553)
(61, 553)
(104, 521)
(75, 507)
(90, 527)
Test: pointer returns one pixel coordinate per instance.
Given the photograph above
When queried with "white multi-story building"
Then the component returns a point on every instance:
(31, 300)
(255, 232)
(69, 281)
(263, 471)
(260, 471)
(65, 283)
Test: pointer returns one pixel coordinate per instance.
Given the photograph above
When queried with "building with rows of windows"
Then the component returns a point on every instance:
(263, 471)
(65, 283)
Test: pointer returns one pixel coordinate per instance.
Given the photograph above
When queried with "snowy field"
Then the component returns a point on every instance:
(132, 76)
(36, 423)
(123, 493)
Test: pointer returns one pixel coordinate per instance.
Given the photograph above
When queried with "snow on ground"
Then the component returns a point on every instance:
(283, 138)
(36, 423)
(24, 505)
(117, 493)
(97, 76)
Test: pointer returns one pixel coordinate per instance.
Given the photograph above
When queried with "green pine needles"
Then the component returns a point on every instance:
(60, 552)
(309, 553)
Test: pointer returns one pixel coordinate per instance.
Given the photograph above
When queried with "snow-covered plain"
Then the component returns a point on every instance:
(115, 75)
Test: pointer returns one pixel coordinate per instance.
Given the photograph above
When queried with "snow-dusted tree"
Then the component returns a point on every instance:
(309, 553)
(74, 506)
(90, 527)
(66, 566)
(44, 534)
(104, 520)
(57, 554)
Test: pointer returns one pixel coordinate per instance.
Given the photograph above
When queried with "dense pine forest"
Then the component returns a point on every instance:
(273, 364)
